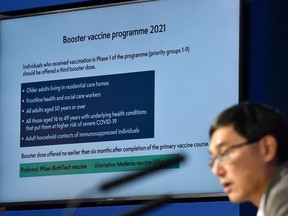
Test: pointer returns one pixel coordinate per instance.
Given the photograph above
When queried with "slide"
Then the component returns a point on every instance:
(92, 94)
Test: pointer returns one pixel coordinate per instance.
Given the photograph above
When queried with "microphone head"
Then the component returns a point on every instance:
(175, 160)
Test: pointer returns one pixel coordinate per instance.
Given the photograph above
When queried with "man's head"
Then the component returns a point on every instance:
(248, 141)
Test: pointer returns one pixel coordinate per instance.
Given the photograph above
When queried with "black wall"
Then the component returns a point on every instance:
(268, 45)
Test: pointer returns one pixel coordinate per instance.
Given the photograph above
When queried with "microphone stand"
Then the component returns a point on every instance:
(71, 206)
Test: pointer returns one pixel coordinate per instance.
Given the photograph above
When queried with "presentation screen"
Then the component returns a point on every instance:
(93, 94)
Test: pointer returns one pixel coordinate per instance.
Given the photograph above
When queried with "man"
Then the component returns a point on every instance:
(249, 155)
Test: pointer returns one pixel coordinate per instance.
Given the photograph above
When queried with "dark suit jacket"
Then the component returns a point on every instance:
(276, 202)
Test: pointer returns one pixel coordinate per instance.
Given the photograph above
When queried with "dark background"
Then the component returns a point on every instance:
(266, 56)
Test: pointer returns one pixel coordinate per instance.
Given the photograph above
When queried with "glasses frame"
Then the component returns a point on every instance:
(219, 157)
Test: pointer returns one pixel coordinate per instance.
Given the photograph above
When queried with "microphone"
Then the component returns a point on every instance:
(72, 205)
(127, 178)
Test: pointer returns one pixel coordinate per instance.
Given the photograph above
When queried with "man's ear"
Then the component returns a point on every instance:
(268, 148)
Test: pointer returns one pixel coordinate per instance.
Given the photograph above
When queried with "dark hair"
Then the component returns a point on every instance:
(253, 121)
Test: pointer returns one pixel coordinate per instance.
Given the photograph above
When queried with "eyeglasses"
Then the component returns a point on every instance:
(223, 158)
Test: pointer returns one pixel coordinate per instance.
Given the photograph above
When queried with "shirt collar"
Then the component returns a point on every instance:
(260, 211)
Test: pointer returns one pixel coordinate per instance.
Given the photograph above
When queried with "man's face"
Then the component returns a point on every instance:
(240, 171)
